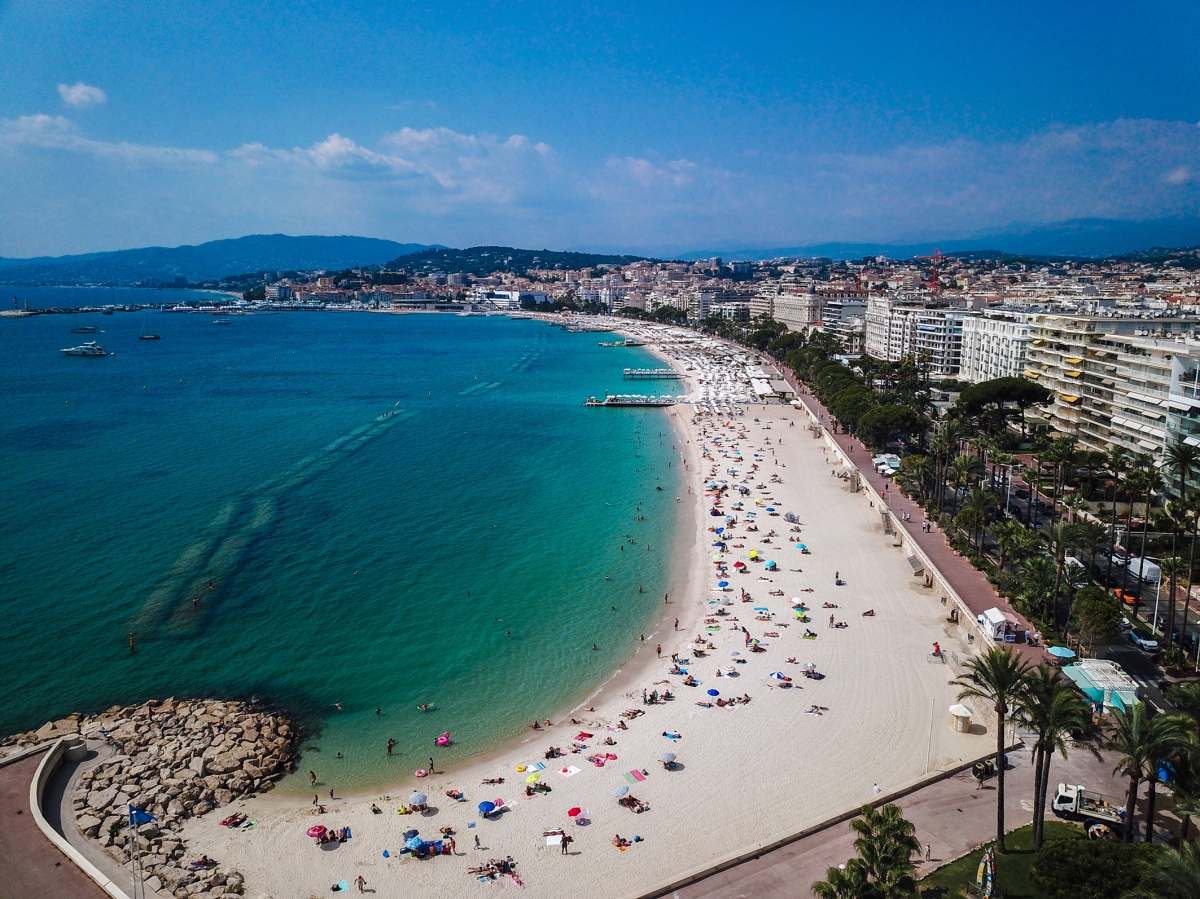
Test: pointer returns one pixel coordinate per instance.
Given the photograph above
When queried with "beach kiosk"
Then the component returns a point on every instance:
(1000, 626)
(960, 716)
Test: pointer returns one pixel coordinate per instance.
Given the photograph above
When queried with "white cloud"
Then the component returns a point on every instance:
(81, 96)
(57, 133)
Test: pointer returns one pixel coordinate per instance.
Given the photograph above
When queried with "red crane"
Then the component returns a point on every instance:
(935, 260)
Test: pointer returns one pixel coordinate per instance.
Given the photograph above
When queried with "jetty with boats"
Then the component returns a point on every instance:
(631, 399)
(651, 374)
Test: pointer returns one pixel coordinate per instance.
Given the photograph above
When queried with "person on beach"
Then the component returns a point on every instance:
(431, 770)
(477, 845)
(658, 649)
(361, 883)
(312, 778)
(566, 841)
(676, 624)
(316, 798)
(391, 743)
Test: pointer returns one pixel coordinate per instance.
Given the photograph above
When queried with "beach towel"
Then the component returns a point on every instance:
(638, 775)
(342, 886)
(569, 771)
(555, 840)
(538, 766)
(629, 777)
(581, 736)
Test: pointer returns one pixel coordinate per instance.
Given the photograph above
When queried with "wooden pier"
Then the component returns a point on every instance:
(651, 374)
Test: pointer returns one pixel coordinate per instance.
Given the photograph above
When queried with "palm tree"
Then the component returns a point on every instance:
(1091, 535)
(997, 677)
(886, 844)
(1176, 875)
(1193, 505)
(964, 470)
(943, 445)
(1178, 514)
(1141, 742)
(1006, 534)
(1187, 700)
(1060, 538)
(1135, 481)
(1117, 462)
(1053, 710)
(884, 869)
(1039, 445)
(1001, 459)
(1037, 575)
(1060, 454)
(977, 510)
(1182, 458)
(1074, 503)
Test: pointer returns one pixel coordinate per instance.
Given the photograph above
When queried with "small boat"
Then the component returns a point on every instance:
(86, 329)
(145, 336)
(91, 348)
(221, 321)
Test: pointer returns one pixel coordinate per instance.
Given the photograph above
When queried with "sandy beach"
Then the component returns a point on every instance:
(747, 774)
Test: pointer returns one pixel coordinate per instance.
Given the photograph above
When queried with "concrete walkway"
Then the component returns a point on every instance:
(30, 865)
(953, 816)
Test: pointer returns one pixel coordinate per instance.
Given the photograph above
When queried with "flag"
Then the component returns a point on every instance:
(137, 816)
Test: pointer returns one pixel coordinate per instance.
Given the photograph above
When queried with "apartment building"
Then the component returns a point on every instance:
(932, 335)
(1127, 382)
(845, 320)
(994, 344)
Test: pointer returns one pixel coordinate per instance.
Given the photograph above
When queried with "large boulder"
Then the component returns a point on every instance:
(101, 799)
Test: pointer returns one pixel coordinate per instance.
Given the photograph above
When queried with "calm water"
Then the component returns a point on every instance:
(366, 495)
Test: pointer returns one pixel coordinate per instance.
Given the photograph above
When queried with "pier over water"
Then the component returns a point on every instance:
(651, 374)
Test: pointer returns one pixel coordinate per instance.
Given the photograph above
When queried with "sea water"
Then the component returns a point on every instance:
(313, 509)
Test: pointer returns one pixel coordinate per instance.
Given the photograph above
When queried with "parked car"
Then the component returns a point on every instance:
(1143, 640)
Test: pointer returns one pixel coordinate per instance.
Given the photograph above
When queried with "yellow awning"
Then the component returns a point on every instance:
(1032, 374)
(1068, 399)
(1038, 342)
(1074, 374)
(1074, 360)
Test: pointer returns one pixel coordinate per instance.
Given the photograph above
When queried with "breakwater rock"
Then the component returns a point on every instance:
(178, 760)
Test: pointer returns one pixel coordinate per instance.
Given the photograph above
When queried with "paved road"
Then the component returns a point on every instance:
(953, 816)
(30, 865)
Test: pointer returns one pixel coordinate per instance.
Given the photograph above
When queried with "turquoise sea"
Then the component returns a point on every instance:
(365, 506)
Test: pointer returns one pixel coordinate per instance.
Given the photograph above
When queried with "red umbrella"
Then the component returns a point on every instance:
(572, 812)
(317, 830)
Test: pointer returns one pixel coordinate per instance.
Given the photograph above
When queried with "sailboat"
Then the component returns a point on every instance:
(145, 336)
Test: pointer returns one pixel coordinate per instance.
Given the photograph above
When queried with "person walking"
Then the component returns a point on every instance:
(566, 841)
(391, 743)
(676, 624)
(312, 778)
(361, 883)
(928, 851)
(658, 650)
(477, 845)
(431, 769)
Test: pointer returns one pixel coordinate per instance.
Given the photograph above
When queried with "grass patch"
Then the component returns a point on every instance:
(1012, 868)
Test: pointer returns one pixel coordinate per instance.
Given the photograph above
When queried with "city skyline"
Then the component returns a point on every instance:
(659, 131)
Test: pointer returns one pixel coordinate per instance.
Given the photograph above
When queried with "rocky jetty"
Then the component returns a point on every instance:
(178, 760)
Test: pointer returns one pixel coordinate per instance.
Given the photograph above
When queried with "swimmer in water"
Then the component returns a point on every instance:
(338, 706)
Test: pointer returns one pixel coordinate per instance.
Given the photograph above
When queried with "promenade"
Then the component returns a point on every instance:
(30, 865)
(968, 582)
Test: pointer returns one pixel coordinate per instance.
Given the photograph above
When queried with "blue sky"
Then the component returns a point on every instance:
(654, 127)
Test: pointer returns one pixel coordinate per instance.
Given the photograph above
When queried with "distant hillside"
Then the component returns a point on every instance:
(482, 261)
(1075, 238)
(207, 261)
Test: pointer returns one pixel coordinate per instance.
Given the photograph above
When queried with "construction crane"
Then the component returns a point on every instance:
(935, 260)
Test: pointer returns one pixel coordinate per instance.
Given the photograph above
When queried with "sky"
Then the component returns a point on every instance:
(658, 127)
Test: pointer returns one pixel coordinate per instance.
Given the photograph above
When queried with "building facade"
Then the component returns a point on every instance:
(994, 344)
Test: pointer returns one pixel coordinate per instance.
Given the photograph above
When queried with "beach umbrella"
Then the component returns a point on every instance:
(1061, 652)
(718, 558)
(714, 693)
(413, 843)
(722, 583)
(720, 530)
(697, 647)
(801, 546)
(761, 609)
(418, 799)
(729, 668)
(486, 808)
(532, 777)
(667, 757)
(778, 675)
(739, 564)
(409, 834)
(572, 812)
(317, 830)
(619, 792)
(808, 666)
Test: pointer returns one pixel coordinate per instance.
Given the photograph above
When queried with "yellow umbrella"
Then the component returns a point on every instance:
(532, 777)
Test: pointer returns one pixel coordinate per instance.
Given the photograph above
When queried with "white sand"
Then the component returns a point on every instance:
(749, 774)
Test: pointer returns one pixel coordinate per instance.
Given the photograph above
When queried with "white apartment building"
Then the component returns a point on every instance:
(994, 344)
(932, 335)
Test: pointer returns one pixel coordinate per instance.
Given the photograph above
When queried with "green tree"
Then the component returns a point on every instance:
(1083, 869)
(884, 869)
(998, 677)
(877, 425)
(995, 396)
(1117, 462)
(977, 511)
(1142, 740)
(1060, 538)
(1174, 874)
(1036, 577)
(1182, 458)
(1097, 613)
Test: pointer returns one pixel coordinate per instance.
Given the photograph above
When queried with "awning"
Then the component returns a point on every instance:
(1074, 360)
(1038, 342)
(1074, 374)
(1108, 382)
(1068, 399)
(915, 564)
(1146, 444)
(1032, 374)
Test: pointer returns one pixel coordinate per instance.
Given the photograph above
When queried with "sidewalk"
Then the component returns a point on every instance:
(953, 816)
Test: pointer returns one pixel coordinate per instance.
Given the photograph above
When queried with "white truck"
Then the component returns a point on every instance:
(1075, 803)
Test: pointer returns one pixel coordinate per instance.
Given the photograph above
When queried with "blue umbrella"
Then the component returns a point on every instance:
(714, 693)
(720, 530)
(619, 792)
(486, 808)
(409, 834)
(414, 843)
(722, 583)
(1061, 652)
(801, 546)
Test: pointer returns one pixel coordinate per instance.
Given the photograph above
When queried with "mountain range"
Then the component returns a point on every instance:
(207, 261)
